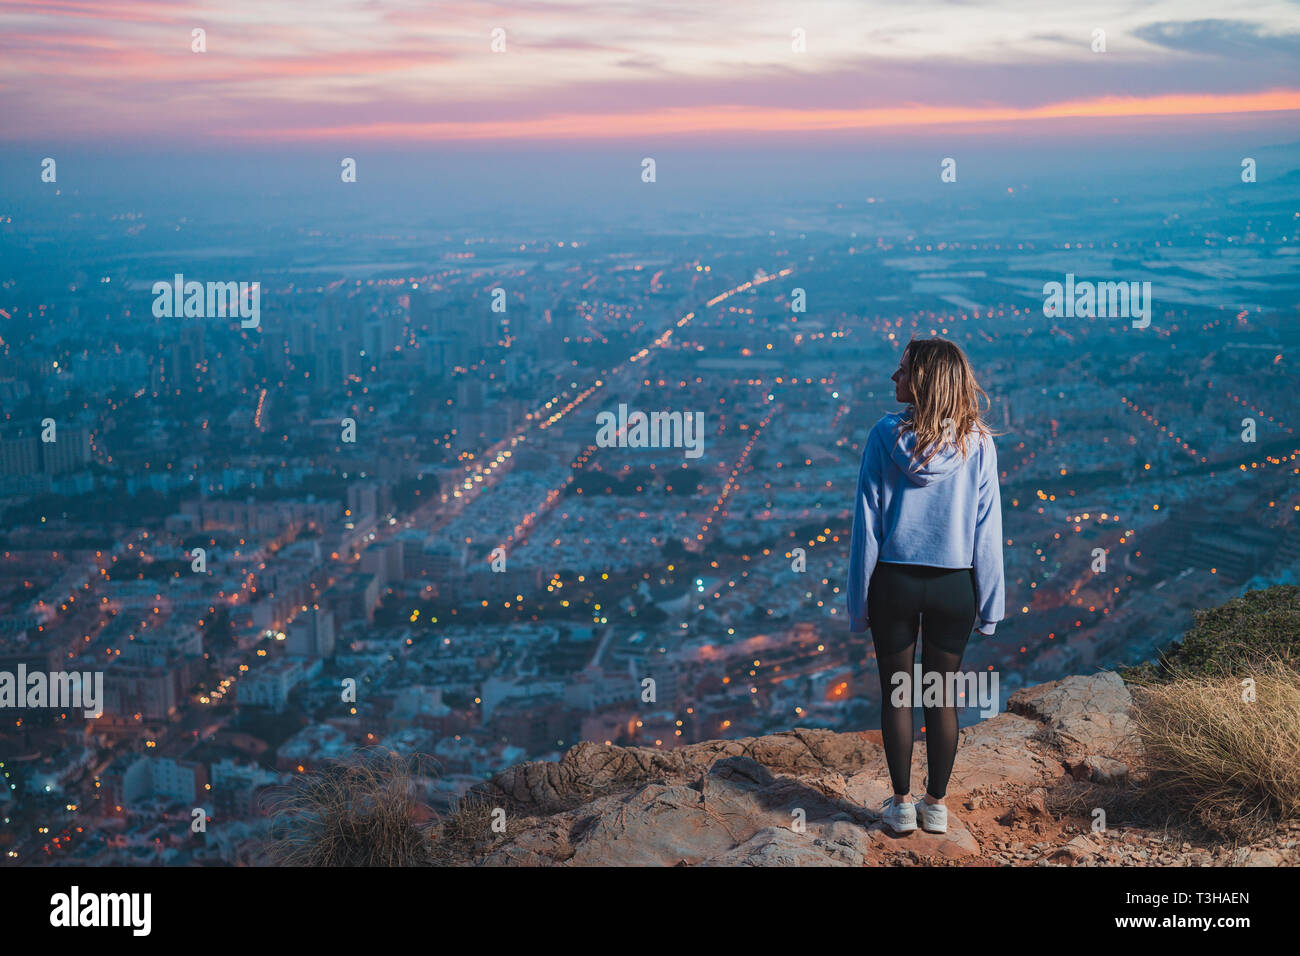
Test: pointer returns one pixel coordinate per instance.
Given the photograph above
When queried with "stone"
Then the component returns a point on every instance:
(995, 753)
(775, 846)
(812, 797)
(1076, 851)
(1082, 715)
(1030, 808)
(1104, 770)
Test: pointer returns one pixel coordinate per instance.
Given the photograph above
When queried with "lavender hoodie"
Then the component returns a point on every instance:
(946, 514)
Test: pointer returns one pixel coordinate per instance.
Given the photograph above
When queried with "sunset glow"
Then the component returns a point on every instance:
(758, 120)
(281, 71)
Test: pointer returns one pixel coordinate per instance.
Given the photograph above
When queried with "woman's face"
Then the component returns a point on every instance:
(902, 379)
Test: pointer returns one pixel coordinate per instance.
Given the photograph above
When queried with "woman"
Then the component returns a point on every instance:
(926, 555)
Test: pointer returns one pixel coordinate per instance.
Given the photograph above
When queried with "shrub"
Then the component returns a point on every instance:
(1231, 763)
(362, 811)
(466, 832)
(1259, 626)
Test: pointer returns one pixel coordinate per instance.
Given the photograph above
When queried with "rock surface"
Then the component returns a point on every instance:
(812, 797)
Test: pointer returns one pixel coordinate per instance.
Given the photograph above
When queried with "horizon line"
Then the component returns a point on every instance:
(751, 120)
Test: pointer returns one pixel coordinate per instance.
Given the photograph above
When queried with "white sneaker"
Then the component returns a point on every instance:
(934, 816)
(900, 818)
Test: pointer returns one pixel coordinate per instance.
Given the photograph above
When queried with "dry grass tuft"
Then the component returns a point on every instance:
(1231, 764)
(466, 833)
(363, 811)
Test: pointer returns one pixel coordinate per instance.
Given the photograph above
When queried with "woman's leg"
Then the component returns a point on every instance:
(948, 616)
(896, 728)
(941, 729)
(893, 607)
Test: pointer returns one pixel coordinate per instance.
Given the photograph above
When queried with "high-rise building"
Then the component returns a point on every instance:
(70, 451)
(311, 634)
(20, 456)
(165, 779)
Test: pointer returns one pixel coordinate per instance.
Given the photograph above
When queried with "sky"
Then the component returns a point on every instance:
(283, 72)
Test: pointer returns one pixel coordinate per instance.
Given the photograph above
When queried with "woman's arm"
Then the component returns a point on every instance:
(990, 586)
(864, 547)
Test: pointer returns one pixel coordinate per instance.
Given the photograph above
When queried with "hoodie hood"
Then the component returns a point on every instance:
(948, 461)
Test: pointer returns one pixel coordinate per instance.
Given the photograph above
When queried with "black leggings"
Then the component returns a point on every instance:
(903, 599)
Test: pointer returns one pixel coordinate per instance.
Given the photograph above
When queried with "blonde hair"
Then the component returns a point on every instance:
(943, 389)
